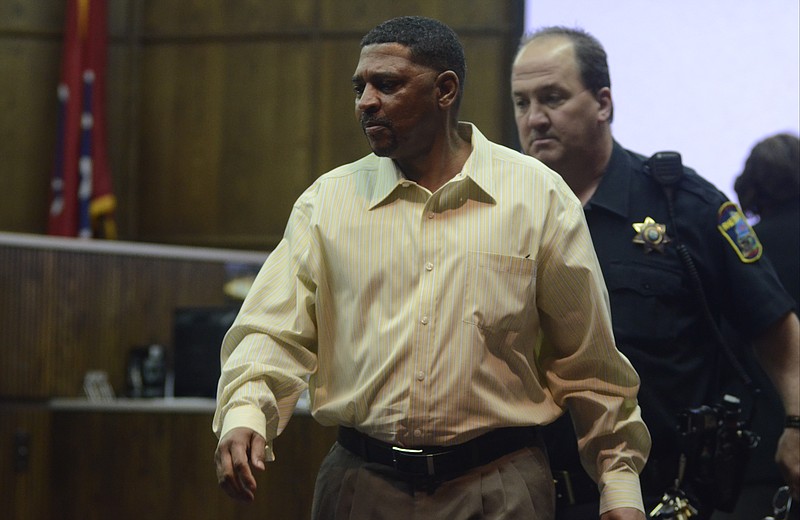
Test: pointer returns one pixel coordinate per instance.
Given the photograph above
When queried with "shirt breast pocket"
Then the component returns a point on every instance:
(498, 290)
(648, 302)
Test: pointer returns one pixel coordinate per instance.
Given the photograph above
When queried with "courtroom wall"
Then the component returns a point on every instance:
(222, 111)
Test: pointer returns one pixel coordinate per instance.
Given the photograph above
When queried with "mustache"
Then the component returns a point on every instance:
(368, 120)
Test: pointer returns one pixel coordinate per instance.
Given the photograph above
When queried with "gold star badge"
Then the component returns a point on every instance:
(651, 235)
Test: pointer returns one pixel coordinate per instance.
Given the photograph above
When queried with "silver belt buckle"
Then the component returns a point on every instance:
(413, 453)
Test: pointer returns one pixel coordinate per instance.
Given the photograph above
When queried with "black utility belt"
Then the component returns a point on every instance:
(440, 461)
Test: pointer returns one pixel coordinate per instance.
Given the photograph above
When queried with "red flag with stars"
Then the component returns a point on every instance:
(82, 202)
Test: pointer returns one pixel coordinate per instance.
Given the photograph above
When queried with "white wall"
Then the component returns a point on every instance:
(708, 78)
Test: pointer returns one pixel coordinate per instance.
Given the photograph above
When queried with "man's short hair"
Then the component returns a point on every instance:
(432, 43)
(589, 53)
(771, 175)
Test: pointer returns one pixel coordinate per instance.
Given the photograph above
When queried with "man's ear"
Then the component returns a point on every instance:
(447, 89)
(606, 108)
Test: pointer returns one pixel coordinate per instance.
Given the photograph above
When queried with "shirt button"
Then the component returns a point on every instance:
(420, 375)
(430, 215)
(417, 433)
(424, 320)
(429, 266)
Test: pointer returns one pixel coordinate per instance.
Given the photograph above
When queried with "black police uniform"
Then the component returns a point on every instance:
(657, 321)
(779, 232)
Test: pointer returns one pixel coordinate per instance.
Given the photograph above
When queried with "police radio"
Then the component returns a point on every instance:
(712, 456)
(666, 167)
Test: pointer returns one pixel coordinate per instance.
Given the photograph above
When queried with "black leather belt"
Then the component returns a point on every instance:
(441, 460)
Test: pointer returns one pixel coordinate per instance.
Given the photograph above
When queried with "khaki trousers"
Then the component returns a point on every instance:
(518, 486)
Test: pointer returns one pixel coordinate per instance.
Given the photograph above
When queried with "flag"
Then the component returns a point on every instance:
(82, 202)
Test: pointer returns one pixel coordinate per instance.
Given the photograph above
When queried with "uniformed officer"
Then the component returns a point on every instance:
(563, 108)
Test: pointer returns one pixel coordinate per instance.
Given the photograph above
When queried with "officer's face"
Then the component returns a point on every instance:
(558, 120)
(396, 101)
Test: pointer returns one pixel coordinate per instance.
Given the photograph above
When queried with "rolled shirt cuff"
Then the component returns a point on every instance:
(620, 489)
(249, 417)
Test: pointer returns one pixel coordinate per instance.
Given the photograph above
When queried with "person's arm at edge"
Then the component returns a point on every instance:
(262, 376)
(617, 472)
(778, 352)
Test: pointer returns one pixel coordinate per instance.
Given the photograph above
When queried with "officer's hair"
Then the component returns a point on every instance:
(589, 53)
(432, 43)
(771, 175)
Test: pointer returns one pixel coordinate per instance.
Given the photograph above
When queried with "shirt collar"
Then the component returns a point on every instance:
(477, 169)
(613, 191)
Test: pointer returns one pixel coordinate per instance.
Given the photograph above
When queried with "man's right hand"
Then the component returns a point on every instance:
(238, 452)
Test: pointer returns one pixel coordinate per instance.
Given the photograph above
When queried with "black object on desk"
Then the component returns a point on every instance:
(198, 337)
(147, 371)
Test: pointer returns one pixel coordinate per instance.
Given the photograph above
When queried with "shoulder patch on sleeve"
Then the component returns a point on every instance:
(737, 231)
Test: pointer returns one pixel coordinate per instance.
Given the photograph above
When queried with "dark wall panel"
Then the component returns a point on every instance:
(210, 18)
(221, 112)
(25, 462)
(165, 471)
(64, 312)
(227, 144)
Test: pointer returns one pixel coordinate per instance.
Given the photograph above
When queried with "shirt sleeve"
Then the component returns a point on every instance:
(747, 290)
(269, 351)
(582, 366)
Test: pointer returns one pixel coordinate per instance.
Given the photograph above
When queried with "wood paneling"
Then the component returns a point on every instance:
(362, 15)
(27, 130)
(486, 92)
(220, 112)
(31, 17)
(160, 467)
(227, 150)
(64, 312)
(25, 483)
(237, 18)
(68, 306)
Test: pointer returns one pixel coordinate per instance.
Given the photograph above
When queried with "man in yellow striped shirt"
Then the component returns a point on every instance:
(442, 298)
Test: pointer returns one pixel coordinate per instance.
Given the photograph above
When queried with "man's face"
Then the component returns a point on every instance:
(396, 101)
(558, 119)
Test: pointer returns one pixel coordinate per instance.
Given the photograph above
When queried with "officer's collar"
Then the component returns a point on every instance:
(613, 192)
